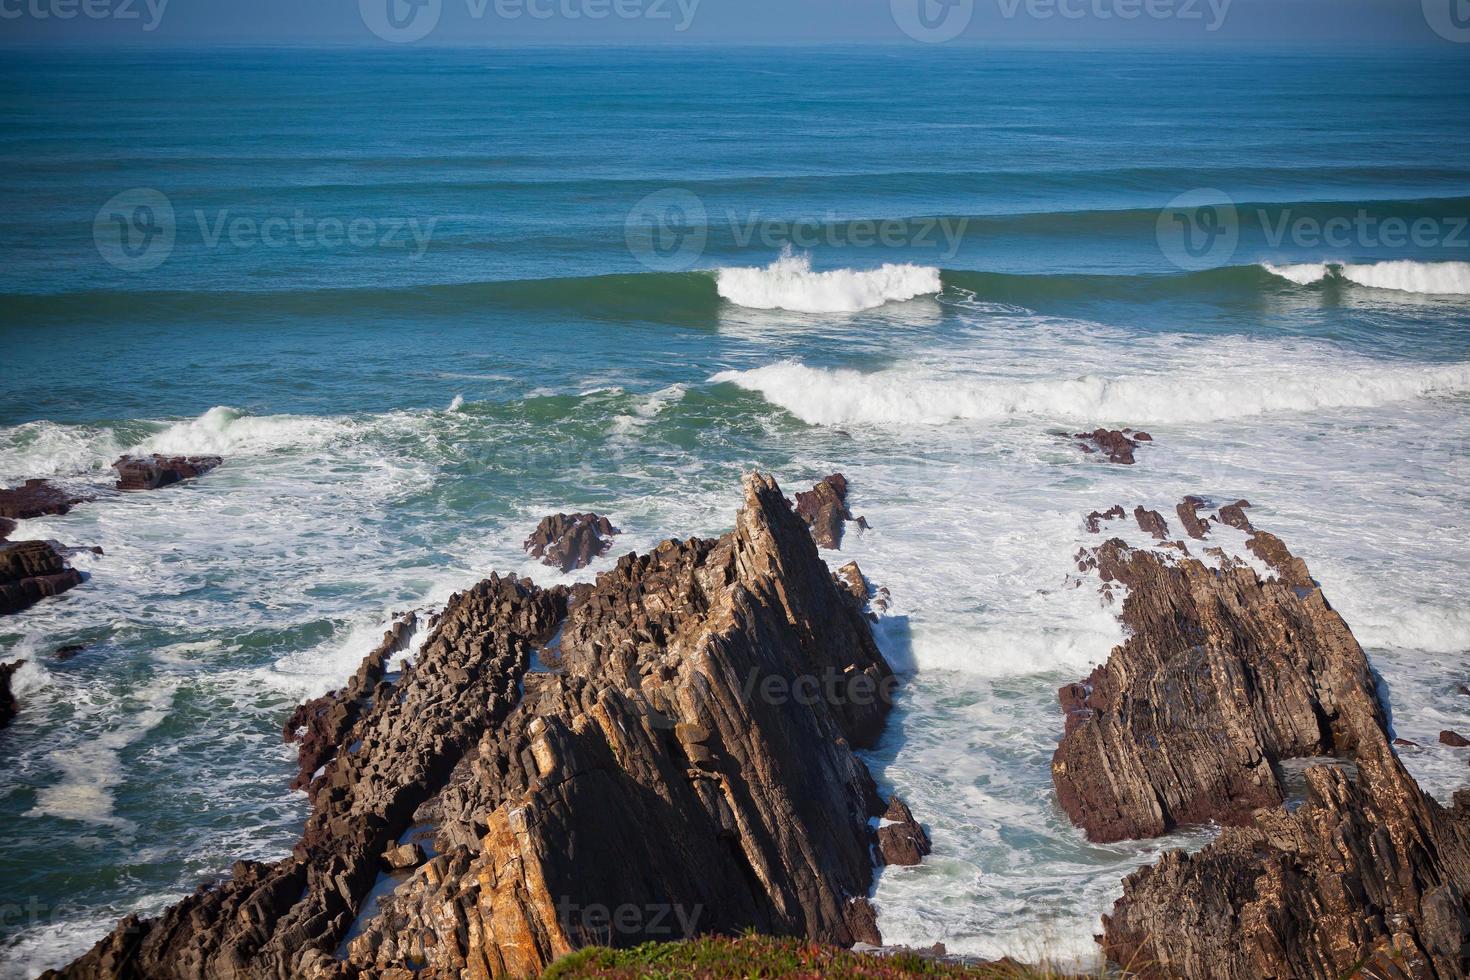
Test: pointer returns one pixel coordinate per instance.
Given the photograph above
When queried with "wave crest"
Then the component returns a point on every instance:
(1429, 278)
(790, 284)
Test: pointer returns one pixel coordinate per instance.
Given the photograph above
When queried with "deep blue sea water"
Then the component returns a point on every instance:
(419, 300)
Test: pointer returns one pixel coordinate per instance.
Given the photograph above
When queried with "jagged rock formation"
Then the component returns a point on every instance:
(31, 571)
(571, 541)
(824, 508)
(1223, 677)
(1369, 878)
(8, 707)
(1117, 444)
(36, 498)
(673, 773)
(901, 839)
(7, 527)
(1094, 521)
(154, 471)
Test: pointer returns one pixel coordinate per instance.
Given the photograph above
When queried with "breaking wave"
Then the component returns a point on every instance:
(1430, 278)
(790, 284)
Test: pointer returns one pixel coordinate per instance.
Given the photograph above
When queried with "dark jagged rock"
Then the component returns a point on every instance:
(901, 840)
(1152, 522)
(1223, 677)
(824, 508)
(1096, 518)
(8, 705)
(154, 471)
(7, 528)
(36, 498)
(1234, 515)
(1454, 739)
(320, 725)
(1117, 445)
(571, 541)
(69, 651)
(672, 765)
(31, 571)
(1370, 877)
(1194, 525)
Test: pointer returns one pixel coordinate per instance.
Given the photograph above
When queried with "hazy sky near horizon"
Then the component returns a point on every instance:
(529, 22)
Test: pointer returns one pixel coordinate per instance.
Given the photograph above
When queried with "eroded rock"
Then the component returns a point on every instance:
(31, 571)
(901, 839)
(8, 705)
(1117, 445)
(7, 528)
(824, 508)
(571, 541)
(155, 471)
(36, 498)
(1194, 525)
(671, 766)
(1223, 677)
(1096, 518)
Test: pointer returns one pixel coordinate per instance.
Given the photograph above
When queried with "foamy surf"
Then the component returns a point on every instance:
(899, 396)
(790, 284)
(1428, 278)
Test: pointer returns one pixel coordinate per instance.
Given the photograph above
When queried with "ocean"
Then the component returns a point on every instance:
(419, 300)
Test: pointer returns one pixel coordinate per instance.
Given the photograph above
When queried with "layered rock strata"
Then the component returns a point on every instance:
(31, 571)
(571, 541)
(36, 498)
(824, 508)
(664, 753)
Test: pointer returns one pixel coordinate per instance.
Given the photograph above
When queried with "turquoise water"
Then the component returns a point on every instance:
(615, 280)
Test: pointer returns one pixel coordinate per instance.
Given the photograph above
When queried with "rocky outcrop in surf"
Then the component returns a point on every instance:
(824, 508)
(37, 498)
(8, 705)
(571, 541)
(153, 472)
(1223, 677)
(31, 571)
(1117, 445)
(638, 759)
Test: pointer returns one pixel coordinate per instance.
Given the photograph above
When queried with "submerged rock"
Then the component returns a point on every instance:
(8, 705)
(571, 541)
(1117, 445)
(36, 498)
(824, 508)
(676, 775)
(155, 471)
(31, 571)
(1222, 677)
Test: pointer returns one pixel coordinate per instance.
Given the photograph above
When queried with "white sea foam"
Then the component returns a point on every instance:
(1430, 278)
(46, 449)
(921, 395)
(456, 403)
(228, 431)
(790, 284)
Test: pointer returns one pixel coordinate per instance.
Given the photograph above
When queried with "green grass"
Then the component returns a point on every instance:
(753, 956)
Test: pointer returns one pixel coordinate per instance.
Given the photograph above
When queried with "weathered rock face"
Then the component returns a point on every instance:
(1370, 877)
(36, 498)
(7, 528)
(672, 773)
(1117, 445)
(571, 541)
(8, 706)
(31, 571)
(1223, 677)
(155, 471)
(824, 508)
(901, 839)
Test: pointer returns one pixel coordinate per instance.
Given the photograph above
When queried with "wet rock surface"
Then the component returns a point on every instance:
(571, 541)
(1223, 677)
(824, 508)
(901, 839)
(31, 571)
(36, 498)
(668, 776)
(8, 705)
(7, 528)
(1118, 445)
(153, 472)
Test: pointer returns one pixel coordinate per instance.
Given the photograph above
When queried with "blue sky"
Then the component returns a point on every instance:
(477, 22)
